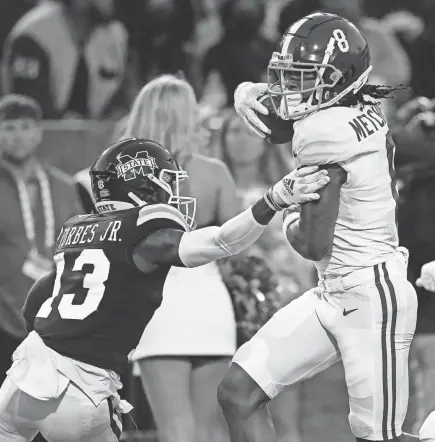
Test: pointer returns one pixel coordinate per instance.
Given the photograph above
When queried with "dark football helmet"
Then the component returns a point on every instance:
(135, 172)
(320, 60)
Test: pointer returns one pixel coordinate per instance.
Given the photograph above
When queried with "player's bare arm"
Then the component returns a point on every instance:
(310, 228)
(199, 247)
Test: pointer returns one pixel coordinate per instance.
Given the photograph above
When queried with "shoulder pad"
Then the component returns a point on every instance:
(326, 137)
(161, 211)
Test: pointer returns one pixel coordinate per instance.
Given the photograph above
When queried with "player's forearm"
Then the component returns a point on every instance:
(211, 243)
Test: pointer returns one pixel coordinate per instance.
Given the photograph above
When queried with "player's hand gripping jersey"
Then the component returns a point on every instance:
(359, 141)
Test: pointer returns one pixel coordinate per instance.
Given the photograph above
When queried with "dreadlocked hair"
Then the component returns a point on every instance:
(375, 91)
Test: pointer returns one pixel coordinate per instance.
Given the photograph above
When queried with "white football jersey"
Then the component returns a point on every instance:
(359, 141)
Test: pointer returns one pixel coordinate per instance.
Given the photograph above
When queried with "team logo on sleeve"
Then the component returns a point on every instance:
(141, 164)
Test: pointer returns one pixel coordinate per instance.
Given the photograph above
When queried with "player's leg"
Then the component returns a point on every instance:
(166, 381)
(206, 374)
(284, 411)
(374, 334)
(292, 346)
(73, 417)
(16, 423)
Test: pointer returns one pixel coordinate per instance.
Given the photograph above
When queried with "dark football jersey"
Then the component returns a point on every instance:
(101, 303)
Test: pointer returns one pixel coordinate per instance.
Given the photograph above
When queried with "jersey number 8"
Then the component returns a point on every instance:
(94, 282)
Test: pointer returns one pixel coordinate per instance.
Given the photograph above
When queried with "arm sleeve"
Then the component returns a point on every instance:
(229, 203)
(205, 245)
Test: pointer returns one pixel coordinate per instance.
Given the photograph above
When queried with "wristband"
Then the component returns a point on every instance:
(271, 202)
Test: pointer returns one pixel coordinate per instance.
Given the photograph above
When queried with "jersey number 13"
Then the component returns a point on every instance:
(93, 282)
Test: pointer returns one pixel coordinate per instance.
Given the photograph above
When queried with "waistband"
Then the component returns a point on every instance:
(398, 262)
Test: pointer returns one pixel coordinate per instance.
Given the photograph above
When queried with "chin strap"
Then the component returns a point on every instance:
(136, 199)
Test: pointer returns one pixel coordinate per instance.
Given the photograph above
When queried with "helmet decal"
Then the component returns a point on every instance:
(135, 172)
(130, 167)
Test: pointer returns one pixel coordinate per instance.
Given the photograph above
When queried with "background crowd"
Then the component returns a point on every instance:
(78, 74)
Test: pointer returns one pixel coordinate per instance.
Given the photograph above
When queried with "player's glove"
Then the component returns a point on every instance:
(245, 103)
(427, 277)
(299, 186)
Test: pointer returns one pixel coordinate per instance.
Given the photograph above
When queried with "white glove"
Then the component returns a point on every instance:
(427, 277)
(245, 103)
(299, 186)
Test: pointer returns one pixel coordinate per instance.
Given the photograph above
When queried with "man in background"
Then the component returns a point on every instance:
(71, 56)
(243, 53)
(36, 201)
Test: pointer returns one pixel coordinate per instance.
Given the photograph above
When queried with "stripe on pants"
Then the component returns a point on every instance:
(393, 348)
(387, 346)
(115, 423)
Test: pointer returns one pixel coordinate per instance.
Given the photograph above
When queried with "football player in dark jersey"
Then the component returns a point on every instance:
(89, 312)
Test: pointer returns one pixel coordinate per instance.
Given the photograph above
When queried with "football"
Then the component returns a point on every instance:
(281, 130)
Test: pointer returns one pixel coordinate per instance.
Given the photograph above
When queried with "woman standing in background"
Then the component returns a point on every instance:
(187, 346)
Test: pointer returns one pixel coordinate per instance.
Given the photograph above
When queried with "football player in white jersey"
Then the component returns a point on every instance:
(364, 309)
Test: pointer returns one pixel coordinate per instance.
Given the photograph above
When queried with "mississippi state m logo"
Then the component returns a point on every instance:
(130, 167)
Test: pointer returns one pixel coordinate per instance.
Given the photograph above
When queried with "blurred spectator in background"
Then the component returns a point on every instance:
(10, 13)
(243, 53)
(415, 165)
(416, 31)
(160, 35)
(190, 340)
(255, 166)
(39, 200)
(71, 56)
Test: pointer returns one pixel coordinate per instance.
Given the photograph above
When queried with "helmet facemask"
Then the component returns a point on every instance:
(169, 181)
(304, 88)
(166, 190)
